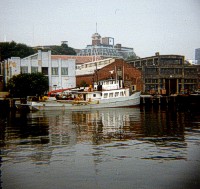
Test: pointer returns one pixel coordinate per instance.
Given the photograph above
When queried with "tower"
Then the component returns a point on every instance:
(96, 39)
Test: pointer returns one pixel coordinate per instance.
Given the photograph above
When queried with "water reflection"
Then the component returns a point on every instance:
(75, 143)
(35, 135)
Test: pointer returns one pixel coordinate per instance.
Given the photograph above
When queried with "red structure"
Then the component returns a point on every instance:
(117, 70)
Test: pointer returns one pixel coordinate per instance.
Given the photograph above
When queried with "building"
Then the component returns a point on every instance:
(78, 59)
(167, 74)
(117, 69)
(197, 55)
(105, 47)
(91, 67)
(60, 71)
(1, 76)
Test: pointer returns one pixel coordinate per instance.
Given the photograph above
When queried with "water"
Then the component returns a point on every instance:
(112, 148)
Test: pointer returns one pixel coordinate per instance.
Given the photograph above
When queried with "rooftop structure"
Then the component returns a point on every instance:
(106, 48)
(78, 59)
(91, 67)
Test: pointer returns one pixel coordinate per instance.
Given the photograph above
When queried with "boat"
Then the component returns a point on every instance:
(104, 94)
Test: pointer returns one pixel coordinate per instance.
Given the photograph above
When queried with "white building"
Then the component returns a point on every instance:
(61, 72)
(106, 48)
(90, 67)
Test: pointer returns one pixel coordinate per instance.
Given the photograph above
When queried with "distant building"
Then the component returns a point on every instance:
(105, 47)
(197, 55)
(167, 74)
(1, 76)
(60, 71)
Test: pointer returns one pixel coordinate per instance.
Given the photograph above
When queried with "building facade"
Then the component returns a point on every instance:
(1, 76)
(197, 56)
(118, 70)
(61, 72)
(167, 74)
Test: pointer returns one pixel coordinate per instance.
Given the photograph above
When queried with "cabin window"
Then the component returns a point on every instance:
(121, 94)
(94, 95)
(116, 94)
(54, 71)
(105, 95)
(111, 95)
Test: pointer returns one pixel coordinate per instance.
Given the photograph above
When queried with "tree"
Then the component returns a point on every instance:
(64, 49)
(12, 49)
(132, 57)
(24, 85)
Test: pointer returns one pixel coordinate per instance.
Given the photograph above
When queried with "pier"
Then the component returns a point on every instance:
(182, 102)
(7, 104)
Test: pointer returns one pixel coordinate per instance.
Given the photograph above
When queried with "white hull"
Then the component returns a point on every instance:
(132, 100)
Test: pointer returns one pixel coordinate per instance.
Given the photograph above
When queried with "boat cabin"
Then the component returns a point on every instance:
(106, 89)
(108, 84)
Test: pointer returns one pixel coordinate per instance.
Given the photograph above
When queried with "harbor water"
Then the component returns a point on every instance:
(119, 148)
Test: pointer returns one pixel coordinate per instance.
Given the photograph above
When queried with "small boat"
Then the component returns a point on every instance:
(105, 94)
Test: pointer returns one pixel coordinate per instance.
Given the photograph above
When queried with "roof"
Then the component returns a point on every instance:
(79, 59)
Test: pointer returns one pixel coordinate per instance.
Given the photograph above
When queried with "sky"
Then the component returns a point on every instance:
(148, 26)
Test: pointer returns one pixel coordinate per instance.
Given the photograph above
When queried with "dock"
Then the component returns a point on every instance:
(181, 102)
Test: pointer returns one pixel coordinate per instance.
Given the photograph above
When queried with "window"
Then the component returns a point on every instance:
(111, 95)
(64, 71)
(116, 94)
(54, 71)
(10, 72)
(94, 95)
(45, 70)
(24, 69)
(105, 95)
(34, 69)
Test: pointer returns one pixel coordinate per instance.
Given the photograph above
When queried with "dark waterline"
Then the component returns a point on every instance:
(110, 148)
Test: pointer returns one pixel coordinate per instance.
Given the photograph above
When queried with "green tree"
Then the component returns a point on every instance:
(12, 49)
(132, 57)
(64, 49)
(24, 85)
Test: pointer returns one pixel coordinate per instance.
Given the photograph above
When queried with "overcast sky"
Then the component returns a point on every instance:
(149, 26)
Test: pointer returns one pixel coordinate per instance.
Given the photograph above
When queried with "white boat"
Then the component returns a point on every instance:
(107, 94)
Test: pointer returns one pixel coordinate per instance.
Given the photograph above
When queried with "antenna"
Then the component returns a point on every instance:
(96, 27)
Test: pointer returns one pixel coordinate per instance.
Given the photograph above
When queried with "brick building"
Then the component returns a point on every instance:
(118, 69)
